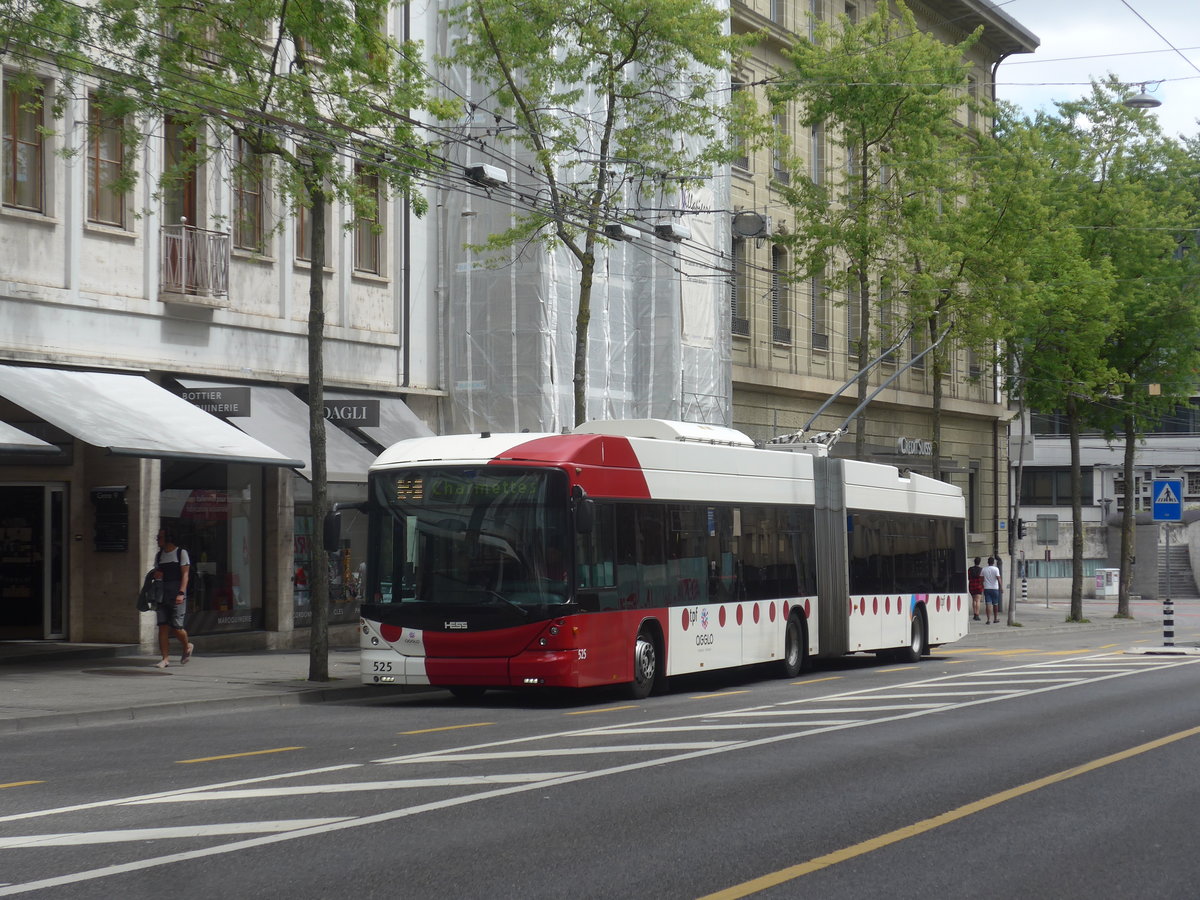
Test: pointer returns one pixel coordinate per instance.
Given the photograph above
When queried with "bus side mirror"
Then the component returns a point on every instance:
(331, 537)
(585, 510)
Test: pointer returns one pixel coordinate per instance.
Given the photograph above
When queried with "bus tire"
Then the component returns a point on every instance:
(645, 666)
(916, 643)
(795, 649)
(466, 692)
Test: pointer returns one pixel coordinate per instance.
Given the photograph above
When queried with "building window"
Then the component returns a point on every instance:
(817, 153)
(777, 11)
(887, 322)
(739, 289)
(852, 13)
(24, 149)
(248, 199)
(853, 315)
(1044, 486)
(816, 12)
(105, 163)
(972, 101)
(739, 96)
(779, 149)
(781, 333)
(368, 227)
(820, 306)
(304, 232)
(916, 346)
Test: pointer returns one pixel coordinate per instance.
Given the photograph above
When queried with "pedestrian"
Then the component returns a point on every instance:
(991, 591)
(975, 588)
(173, 566)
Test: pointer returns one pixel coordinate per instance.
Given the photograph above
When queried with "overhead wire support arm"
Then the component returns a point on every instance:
(900, 370)
(798, 436)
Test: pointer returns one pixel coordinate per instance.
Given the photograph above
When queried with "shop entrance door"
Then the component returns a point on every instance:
(32, 562)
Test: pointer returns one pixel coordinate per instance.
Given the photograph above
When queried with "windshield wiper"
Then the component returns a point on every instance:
(498, 596)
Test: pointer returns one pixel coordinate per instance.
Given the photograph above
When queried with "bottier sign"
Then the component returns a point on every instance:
(236, 402)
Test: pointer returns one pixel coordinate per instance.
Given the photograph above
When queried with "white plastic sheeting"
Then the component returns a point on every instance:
(659, 344)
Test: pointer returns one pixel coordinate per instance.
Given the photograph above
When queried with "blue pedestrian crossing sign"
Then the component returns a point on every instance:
(1167, 500)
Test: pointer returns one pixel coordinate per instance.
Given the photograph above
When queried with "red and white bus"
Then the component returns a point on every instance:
(627, 552)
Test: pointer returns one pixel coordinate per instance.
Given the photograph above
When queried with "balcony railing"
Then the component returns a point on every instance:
(195, 262)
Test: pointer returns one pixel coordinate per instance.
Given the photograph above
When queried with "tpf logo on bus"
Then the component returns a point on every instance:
(699, 616)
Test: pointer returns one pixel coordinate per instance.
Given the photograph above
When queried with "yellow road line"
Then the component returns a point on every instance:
(774, 879)
(237, 755)
(718, 694)
(447, 728)
(889, 669)
(588, 712)
(20, 784)
(815, 680)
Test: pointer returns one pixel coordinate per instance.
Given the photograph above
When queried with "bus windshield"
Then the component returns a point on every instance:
(472, 536)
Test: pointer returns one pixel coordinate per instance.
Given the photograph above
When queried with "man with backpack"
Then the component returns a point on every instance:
(173, 566)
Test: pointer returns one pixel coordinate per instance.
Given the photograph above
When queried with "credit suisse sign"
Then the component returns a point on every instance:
(907, 446)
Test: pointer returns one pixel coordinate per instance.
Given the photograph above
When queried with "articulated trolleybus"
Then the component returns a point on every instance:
(630, 551)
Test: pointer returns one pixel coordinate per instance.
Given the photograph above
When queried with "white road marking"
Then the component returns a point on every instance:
(456, 756)
(80, 838)
(123, 800)
(356, 786)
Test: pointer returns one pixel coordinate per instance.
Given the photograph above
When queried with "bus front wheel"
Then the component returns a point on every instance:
(645, 666)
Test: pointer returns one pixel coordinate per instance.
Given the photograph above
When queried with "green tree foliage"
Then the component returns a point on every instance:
(610, 100)
(1132, 194)
(886, 94)
(309, 86)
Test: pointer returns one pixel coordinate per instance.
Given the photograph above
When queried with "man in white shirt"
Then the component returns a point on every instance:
(991, 592)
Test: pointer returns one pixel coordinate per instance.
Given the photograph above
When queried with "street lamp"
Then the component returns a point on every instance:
(1142, 100)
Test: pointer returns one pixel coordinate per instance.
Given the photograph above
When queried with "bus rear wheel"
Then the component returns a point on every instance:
(916, 642)
(795, 650)
(645, 666)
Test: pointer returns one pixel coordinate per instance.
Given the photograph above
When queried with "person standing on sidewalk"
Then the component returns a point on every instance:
(173, 566)
(991, 591)
(975, 588)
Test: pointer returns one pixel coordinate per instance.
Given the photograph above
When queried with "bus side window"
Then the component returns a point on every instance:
(595, 552)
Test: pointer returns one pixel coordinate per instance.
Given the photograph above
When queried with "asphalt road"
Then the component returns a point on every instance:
(1044, 767)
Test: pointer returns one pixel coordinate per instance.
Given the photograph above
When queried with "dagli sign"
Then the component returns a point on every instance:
(906, 446)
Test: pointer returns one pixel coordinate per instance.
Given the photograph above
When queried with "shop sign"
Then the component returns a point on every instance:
(907, 446)
(207, 505)
(357, 413)
(220, 401)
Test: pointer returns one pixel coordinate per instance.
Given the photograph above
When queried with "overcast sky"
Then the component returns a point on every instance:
(1085, 38)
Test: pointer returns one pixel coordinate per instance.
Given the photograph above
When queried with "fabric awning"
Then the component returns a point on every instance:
(129, 415)
(14, 440)
(279, 416)
(396, 421)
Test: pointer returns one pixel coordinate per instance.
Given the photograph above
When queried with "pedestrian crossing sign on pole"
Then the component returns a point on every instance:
(1167, 501)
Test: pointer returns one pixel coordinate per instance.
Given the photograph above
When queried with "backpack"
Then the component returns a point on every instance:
(150, 596)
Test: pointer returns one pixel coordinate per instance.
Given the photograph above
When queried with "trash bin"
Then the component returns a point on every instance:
(1108, 583)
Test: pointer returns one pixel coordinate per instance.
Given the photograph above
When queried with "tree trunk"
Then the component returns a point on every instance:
(1076, 515)
(864, 356)
(1127, 522)
(583, 318)
(318, 656)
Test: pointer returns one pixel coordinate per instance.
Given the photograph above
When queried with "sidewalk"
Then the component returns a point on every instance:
(44, 686)
(66, 685)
